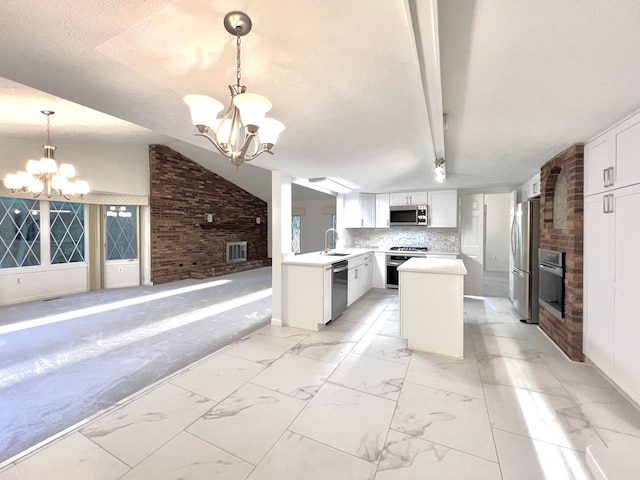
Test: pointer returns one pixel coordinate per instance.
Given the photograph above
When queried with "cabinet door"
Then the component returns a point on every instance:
(382, 210)
(368, 207)
(598, 157)
(627, 288)
(352, 286)
(534, 186)
(419, 198)
(379, 270)
(443, 209)
(599, 282)
(396, 199)
(627, 165)
(352, 217)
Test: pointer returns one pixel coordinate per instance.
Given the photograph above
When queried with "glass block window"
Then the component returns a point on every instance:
(67, 232)
(122, 232)
(19, 232)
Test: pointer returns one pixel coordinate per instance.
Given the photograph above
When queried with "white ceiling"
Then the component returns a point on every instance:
(357, 83)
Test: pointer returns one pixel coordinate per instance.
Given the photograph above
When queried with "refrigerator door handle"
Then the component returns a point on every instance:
(513, 227)
(518, 273)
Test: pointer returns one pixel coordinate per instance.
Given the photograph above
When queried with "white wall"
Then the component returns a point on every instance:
(120, 168)
(313, 224)
(497, 229)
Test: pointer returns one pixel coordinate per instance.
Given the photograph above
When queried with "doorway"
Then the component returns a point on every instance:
(497, 224)
(121, 246)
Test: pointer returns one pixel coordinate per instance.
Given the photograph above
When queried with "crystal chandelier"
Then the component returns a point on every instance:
(243, 132)
(44, 175)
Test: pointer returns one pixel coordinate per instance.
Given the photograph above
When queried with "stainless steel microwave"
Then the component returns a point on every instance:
(407, 215)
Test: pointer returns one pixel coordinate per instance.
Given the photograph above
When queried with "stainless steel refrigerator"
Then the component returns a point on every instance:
(525, 237)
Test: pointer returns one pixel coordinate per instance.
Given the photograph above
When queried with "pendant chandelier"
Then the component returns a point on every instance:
(243, 132)
(44, 175)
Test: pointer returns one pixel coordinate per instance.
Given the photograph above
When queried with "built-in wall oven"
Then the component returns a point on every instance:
(551, 278)
(396, 257)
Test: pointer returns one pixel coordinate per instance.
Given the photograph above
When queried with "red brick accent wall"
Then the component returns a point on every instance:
(566, 334)
(182, 194)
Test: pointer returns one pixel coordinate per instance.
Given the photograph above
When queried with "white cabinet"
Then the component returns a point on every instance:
(382, 210)
(612, 160)
(379, 270)
(612, 285)
(360, 210)
(443, 209)
(408, 198)
(598, 164)
(306, 295)
(360, 277)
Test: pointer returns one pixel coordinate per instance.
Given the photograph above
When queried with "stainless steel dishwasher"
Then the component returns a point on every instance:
(339, 288)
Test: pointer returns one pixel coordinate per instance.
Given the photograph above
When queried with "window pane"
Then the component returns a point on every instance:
(67, 232)
(295, 233)
(122, 232)
(19, 232)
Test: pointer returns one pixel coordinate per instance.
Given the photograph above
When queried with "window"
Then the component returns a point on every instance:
(19, 232)
(122, 232)
(295, 233)
(67, 232)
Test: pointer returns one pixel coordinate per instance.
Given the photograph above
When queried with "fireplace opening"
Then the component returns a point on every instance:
(551, 281)
(236, 252)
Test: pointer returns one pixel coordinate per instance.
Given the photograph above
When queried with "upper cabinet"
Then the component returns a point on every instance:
(612, 159)
(382, 210)
(443, 209)
(360, 210)
(408, 198)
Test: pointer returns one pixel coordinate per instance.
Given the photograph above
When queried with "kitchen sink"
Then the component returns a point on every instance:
(334, 254)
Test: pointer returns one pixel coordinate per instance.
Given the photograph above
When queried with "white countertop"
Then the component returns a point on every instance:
(319, 260)
(434, 265)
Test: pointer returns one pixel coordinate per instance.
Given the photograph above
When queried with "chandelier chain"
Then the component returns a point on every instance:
(238, 59)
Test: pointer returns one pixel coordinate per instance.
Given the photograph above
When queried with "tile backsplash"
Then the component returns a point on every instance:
(441, 240)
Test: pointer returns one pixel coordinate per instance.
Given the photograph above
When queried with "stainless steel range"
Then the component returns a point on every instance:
(396, 257)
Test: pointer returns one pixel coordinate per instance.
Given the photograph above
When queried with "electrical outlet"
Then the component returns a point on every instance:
(18, 281)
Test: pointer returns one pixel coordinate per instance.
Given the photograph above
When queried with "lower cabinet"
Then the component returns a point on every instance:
(360, 277)
(379, 270)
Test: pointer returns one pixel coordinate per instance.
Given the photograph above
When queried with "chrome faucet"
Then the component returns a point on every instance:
(326, 248)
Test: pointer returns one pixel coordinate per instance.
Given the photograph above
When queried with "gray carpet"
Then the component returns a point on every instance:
(65, 359)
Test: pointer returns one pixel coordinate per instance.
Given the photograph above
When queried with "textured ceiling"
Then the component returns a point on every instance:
(355, 82)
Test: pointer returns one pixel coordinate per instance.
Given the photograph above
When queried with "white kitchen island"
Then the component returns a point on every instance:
(431, 305)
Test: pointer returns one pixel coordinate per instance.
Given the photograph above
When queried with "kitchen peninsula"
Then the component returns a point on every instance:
(431, 305)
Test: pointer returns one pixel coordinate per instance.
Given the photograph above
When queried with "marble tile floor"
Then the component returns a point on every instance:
(351, 402)
(495, 284)
(63, 360)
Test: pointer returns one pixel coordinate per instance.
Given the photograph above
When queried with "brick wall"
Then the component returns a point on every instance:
(182, 194)
(566, 334)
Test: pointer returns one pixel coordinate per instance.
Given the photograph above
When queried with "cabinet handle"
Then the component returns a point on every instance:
(604, 177)
(610, 203)
(356, 276)
(605, 202)
(610, 175)
(362, 222)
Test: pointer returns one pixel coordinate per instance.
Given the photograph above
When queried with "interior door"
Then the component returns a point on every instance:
(472, 242)
(121, 246)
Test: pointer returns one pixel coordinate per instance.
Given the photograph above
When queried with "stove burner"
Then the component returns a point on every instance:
(409, 249)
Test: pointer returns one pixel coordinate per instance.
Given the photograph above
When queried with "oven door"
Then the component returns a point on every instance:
(393, 262)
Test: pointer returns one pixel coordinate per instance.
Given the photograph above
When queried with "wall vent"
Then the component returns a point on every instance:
(236, 252)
